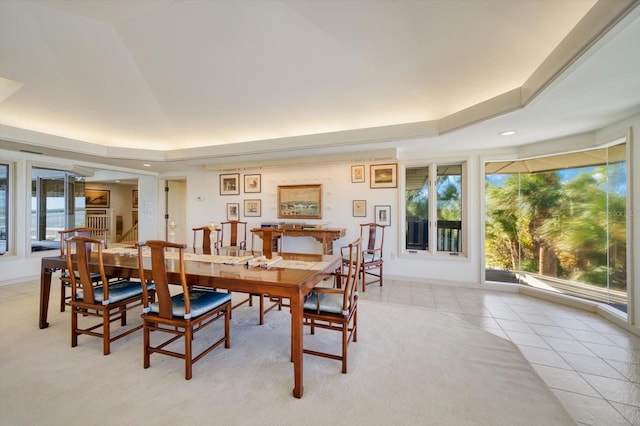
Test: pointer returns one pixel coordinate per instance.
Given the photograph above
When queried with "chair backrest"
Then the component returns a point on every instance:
(232, 233)
(272, 241)
(373, 239)
(82, 246)
(206, 238)
(352, 254)
(83, 232)
(156, 271)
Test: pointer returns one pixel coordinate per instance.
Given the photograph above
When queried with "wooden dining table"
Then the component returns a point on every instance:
(290, 282)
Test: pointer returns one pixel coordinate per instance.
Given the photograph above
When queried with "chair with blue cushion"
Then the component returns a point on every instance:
(336, 308)
(108, 301)
(180, 315)
(65, 279)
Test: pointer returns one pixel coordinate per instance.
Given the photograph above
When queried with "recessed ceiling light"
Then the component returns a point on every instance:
(146, 165)
(508, 133)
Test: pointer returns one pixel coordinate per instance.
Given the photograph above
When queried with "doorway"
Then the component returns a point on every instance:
(175, 191)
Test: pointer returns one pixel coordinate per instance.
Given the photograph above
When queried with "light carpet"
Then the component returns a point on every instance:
(410, 366)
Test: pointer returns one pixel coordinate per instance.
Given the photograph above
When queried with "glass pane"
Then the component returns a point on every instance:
(561, 225)
(4, 208)
(417, 208)
(52, 206)
(617, 223)
(449, 207)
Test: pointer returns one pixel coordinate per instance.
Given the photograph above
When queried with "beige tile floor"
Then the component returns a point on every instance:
(592, 365)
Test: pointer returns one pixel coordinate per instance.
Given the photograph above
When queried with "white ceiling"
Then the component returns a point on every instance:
(189, 83)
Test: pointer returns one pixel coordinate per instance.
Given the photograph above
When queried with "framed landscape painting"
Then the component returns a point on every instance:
(96, 198)
(384, 176)
(300, 201)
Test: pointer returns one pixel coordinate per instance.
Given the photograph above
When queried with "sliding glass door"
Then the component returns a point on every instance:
(57, 203)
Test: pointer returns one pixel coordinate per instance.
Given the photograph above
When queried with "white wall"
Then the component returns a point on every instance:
(205, 204)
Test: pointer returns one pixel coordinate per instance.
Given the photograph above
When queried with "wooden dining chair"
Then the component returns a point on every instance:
(272, 245)
(232, 235)
(180, 315)
(206, 238)
(336, 308)
(372, 262)
(108, 301)
(65, 279)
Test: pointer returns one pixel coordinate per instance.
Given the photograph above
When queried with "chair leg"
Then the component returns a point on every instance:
(345, 340)
(227, 335)
(63, 295)
(106, 332)
(355, 326)
(145, 333)
(74, 327)
(188, 337)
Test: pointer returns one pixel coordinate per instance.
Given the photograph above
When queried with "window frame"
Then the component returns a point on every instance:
(9, 219)
(432, 250)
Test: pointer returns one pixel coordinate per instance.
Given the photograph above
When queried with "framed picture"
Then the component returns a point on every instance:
(134, 199)
(357, 174)
(96, 212)
(359, 208)
(230, 184)
(96, 198)
(252, 183)
(252, 208)
(300, 201)
(383, 215)
(384, 176)
(134, 217)
(233, 211)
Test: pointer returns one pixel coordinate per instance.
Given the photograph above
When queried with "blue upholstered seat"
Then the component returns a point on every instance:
(202, 301)
(370, 257)
(366, 257)
(118, 290)
(329, 302)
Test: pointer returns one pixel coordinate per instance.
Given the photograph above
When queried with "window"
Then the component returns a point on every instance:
(560, 222)
(57, 203)
(4, 208)
(429, 189)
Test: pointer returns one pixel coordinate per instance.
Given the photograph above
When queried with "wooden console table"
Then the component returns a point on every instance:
(324, 236)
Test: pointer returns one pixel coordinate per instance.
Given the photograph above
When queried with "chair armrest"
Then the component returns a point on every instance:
(328, 290)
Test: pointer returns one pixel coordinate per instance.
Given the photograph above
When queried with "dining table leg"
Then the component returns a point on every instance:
(45, 291)
(297, 306)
